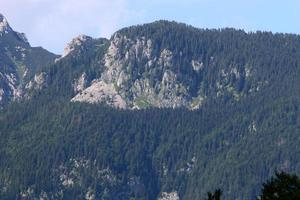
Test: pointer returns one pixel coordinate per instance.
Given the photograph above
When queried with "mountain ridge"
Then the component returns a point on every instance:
(171, 87)
(164, 57)
(19, 62)
(158, 111)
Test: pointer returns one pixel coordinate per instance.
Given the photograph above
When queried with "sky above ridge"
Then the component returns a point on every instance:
(53, 23)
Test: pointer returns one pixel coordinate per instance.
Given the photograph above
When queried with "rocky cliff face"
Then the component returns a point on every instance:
(18, 62)
(162, 64)
(246, 86)
(130, 70)
(128, 82)
(137, 74)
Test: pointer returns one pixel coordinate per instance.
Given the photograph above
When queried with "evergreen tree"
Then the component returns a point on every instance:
(283, 186)
(214, 196)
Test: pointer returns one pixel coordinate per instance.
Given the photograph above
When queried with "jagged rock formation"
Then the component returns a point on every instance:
(4, 26)
(140, 72)
(245, 87)
(136, 90)
(75, 44)
(18, 62)
(134, 71)
(169, 196)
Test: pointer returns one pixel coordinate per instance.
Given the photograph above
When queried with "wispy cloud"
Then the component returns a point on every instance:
(51, 23)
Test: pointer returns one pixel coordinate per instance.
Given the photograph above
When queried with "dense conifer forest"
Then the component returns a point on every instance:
(57, 149)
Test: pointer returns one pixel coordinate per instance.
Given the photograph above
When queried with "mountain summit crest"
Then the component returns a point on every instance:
(4, 26)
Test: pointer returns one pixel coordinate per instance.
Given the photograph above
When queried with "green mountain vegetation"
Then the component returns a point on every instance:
(19, 62)
(245, 128)
(282, 186)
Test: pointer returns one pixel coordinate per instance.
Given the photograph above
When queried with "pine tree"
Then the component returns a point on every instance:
(283, 186)
(214, 196)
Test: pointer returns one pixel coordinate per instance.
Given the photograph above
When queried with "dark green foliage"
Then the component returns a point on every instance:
(230, 144)
(272, 58)
(141, 143)
(19, 61)
(214, 196)
(282, 186)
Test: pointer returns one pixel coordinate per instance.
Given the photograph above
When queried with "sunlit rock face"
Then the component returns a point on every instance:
(124, 88)
(18, 63)
(4, 26)
(137, 75)
(134, 71)
(75, 43)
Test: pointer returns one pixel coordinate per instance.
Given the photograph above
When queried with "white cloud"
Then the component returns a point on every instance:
(52, 23)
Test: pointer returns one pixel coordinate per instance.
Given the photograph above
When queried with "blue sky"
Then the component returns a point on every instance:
(53, 23)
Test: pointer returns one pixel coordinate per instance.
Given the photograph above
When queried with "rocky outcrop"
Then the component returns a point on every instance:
(133, 72)
(137, 75)
(128, 67)
(101, 92)
(38, 82)
(18, 63)
(4, 26)
(75, 43)
(81, 83)
(169, 196)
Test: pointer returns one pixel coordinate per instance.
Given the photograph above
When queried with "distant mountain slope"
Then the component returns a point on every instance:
(202, 109)
(18, 62)
(166, 64)
(61, 150)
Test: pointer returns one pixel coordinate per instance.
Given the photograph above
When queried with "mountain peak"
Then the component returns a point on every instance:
(77, 41)
(4, 26)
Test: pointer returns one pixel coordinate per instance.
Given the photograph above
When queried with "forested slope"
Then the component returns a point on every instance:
(204, 109)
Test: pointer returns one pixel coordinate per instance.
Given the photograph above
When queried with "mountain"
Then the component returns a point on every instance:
(158, 111)
(170, 65)
(19, 62)
(166, 65)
